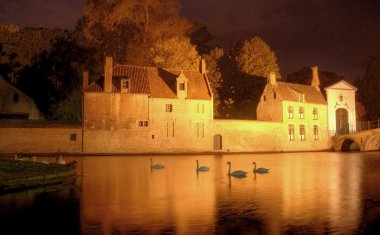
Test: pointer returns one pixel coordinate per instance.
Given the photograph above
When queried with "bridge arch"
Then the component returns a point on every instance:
(349, 145)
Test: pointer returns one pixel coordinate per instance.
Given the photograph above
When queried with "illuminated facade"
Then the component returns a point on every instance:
(302, 109)
(341, 109)
(147, 109)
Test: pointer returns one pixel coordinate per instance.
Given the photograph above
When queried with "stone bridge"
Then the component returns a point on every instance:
(368, 140)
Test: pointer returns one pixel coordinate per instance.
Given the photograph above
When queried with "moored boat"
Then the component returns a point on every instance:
(16, 175)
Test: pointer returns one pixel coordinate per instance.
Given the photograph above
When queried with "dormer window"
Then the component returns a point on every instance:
(182, 86)
(124, 85)
(301, 98)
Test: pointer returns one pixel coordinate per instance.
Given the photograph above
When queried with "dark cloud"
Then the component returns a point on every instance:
(42, 13)
(336, 35)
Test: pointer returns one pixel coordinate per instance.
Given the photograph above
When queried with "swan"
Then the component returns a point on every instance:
(260, 170)
(237, 173)
(202, 168)
(155, 166)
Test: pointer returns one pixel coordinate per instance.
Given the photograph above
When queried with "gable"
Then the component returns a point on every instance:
(341, 85)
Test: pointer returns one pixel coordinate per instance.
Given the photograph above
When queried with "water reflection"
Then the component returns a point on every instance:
(304, 193)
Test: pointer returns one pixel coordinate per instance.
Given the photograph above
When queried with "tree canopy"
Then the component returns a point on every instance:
(254, 57)
(176, 52)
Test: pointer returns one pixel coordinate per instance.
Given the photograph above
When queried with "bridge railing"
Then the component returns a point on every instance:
(367, 125)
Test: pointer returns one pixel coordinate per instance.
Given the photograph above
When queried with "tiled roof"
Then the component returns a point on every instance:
(291, 91)
(158, 82)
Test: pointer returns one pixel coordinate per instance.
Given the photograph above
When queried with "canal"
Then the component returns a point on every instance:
(303, 193)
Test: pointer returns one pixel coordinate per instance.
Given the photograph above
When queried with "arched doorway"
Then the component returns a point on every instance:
(217, 142)
(341, 121)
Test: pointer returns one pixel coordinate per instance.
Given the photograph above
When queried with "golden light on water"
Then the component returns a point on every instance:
(123, 193)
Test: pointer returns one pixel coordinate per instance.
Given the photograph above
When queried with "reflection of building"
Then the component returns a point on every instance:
(16, 105)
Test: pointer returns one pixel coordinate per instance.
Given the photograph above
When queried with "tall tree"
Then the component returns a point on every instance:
(369, 88)
(128, 28)
(54, 76)
(215, 76)
(254, 57)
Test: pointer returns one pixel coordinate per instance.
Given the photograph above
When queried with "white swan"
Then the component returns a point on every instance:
(202, 168)
(237, 173)
(260, 170)
(155, 166)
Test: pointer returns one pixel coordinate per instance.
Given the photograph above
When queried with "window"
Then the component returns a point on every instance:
(301, 113)
(315, 132)
(315, 113)
(169, 129)
(169, 108)
(274, 95)
(73, 137)
(291, 131)
(124, 84)
(15, 98)
(290, 112)
(182, 86)
(200, 108)
(143, 123)
(264, 98)
(340, 98)
(200, 130)
(302, 132)
(301, 98)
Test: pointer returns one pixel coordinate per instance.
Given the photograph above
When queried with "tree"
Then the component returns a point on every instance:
(369, 87)
(255, 58)
(176, 52)
(128, 28)
(215, 76)
(54, 76)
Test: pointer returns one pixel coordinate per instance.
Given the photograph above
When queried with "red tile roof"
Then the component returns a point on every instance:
(157, 82)
(288, 92)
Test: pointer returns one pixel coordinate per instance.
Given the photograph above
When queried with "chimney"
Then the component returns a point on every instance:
(85, 80)
(315, 79)
(108, 74)
(203, 67)
(272, 78)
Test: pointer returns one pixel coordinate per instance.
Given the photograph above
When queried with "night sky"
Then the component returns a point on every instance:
(337, 35)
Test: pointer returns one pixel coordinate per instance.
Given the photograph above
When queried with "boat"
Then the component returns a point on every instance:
(16, 175)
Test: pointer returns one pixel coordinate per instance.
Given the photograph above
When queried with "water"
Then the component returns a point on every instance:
(304, 193)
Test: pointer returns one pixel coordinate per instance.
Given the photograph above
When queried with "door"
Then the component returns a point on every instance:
(341, 121)
(217, 142)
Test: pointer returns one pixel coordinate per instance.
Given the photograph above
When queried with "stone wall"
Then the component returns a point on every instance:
(260, 136)
(40, 140)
